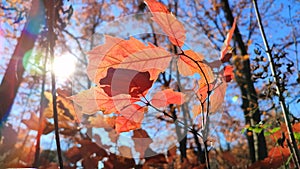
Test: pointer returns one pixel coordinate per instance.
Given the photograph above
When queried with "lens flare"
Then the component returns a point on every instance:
(64, 65)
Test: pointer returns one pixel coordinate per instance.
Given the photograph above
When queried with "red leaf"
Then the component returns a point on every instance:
(166, 97)
(125, 81)
(228, 73)
(276, 158)
(168, 22)
(155, 6)
(224, 51)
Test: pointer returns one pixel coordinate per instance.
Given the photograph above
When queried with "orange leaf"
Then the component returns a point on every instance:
(196, 110)
(125, 151)
(155, 6)
(33, 122)
(129, 54)
(154, 60)
(216, 100)
(202, 92)
(166, 97)
(168, 22)
(188, 67)
(112, 52)
(133, 112)
(99, 121)
(217, 97)
(124, 124)
(227, 43)
(95, 99)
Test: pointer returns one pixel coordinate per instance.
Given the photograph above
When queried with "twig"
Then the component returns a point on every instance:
(51, 34)
(294, 40)
(205, 131)
(294, 148)
(40, 131)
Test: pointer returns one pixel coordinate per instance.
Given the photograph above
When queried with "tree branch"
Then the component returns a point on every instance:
(51, 11)
(293, 148)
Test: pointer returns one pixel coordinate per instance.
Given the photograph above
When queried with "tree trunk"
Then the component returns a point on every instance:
(256, 142)
(14, 73)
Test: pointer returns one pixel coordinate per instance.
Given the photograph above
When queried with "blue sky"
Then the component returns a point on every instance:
(274, 32)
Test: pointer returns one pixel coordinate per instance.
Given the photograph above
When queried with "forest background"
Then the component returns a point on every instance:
(236, 122)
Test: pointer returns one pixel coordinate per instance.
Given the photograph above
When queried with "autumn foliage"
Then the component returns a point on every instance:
(151, 102)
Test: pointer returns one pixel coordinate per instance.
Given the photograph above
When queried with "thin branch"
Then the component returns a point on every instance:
(51, 35)
(294, 40)
(205, 130)
(40, 131)
(78, 44)
(294, 147)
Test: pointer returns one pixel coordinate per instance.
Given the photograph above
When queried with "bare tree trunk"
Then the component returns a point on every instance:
(256, 142)
(14, 73)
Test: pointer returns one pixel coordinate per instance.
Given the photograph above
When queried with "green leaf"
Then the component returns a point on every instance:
(275, 129)
(266, 133)
(297, 136)
(257, 130)
(266, 126)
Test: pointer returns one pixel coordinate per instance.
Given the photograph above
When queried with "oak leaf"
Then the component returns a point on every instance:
(66, 109)
(33, 122)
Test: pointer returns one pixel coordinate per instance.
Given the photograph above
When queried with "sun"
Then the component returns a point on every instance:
(64, 65)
